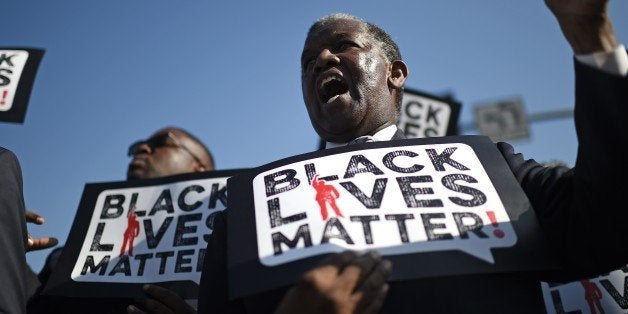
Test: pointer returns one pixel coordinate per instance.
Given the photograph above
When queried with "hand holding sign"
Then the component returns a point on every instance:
(161, 300)
(436, 206)
(344, 283)
(35, 244)
(127, 234)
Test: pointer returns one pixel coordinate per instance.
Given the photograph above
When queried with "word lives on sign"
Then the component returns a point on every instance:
(426, 202)
(148, 231)
(18, 67)
(607, 293)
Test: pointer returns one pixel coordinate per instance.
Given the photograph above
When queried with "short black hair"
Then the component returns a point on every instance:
(200, 143)
(388, 45)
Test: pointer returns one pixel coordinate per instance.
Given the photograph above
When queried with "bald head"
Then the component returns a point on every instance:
(168, 151)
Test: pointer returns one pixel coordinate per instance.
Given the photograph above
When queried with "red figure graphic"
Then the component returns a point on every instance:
(593, 295)
(326, 193)
(132, 231)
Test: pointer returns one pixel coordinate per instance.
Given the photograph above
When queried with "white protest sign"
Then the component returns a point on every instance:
(12, 64)
(423, 115)
(401, 200)
(442, 206)
(604, 294)
(153, 233)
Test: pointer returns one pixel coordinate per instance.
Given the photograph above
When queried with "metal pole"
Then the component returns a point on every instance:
(535, 117)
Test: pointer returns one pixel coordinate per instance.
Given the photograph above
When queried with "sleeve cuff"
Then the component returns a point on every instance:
(612, 62)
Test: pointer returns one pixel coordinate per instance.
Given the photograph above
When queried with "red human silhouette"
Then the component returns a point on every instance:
(132, 231)
(593, 295)
(326, 194)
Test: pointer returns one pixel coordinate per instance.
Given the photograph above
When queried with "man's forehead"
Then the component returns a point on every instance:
(161, 132)
(338, 28)
(334, 31)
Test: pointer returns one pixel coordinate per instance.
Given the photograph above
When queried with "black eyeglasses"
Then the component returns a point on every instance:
(162, 140)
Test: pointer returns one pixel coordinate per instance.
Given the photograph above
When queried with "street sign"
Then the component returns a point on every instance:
(502, 120)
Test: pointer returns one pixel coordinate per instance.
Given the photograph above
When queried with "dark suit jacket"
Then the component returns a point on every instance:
(581, 210)
(13, 235)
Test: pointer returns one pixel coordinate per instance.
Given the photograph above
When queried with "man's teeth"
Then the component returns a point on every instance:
(329, 79)
(332, 99)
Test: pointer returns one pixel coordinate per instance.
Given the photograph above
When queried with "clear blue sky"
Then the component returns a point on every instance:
(228, 71)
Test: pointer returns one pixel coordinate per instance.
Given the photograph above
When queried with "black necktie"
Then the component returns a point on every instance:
(361, 139)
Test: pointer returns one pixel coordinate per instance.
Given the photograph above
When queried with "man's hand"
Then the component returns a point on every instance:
(35, 244)
(161, 300)
(343, 283)
(577, 7)
(585, 24)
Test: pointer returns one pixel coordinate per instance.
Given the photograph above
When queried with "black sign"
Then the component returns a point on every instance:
(424, 115)
(126, 234)
(18, 67)
(604, 294)
(434, 206)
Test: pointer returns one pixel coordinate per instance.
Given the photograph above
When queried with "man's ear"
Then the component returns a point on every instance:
(398, 74)
(199, 168)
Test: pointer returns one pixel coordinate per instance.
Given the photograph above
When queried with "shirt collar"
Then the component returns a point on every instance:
(385, 134)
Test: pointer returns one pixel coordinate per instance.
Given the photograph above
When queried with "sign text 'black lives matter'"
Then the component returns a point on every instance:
(129, 233)
(398, 201)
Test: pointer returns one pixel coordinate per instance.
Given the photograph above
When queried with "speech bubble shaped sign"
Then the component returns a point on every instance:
(12, 64)
(396, 200)
(164, 241)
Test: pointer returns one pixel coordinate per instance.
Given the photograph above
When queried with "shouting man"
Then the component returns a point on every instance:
(352, 80)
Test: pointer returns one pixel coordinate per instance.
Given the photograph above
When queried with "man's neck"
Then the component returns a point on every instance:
(384, 134)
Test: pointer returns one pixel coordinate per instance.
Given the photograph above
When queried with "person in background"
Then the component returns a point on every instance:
(19, 282)
(168, 151)
(352, 80)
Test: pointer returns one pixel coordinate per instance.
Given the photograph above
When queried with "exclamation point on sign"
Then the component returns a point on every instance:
(5, 93)
(497, 232)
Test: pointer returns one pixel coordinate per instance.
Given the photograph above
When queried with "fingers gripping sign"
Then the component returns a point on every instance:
(161, 301)
(42, 243)
(346, 282)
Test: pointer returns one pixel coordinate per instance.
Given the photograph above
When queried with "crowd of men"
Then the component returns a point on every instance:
(352, 81)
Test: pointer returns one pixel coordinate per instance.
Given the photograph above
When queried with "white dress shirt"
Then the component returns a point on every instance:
(384, 134)
(613, 62)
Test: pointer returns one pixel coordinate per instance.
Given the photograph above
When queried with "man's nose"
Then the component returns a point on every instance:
(142, 148)
(326, 59)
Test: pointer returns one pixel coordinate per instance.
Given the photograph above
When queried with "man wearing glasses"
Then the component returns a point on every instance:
(169, 151)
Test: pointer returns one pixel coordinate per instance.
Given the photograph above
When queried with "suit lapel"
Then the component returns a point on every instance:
(399, 135)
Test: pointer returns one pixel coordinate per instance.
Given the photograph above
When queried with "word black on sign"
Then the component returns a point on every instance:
(424, 115)
(434, 206)
(126, 234)
(18, 67)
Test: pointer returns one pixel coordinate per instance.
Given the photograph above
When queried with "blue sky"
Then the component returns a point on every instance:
(228, 71)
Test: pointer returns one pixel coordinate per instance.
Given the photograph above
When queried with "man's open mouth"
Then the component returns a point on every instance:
(331, 87)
